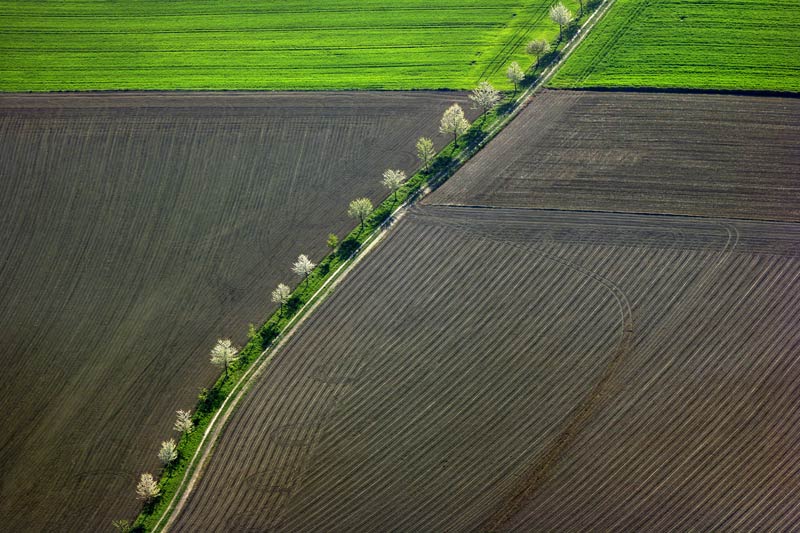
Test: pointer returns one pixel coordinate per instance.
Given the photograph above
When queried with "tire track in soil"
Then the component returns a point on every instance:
(542, 471)
(537, 475)
(676, 430)
(364, 525)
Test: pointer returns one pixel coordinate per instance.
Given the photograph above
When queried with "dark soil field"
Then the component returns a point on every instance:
(492, 368)
(712, 155)
(137, 229)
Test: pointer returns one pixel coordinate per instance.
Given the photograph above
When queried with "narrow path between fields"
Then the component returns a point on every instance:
(205, 450)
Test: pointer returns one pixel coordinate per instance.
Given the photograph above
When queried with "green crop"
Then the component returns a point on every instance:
(713, 44)
(279, 44)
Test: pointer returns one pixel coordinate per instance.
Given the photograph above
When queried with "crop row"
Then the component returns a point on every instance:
(701, 432)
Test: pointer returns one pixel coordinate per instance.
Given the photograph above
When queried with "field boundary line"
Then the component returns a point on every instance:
(761, 93)
(612, 212)
(207, 444)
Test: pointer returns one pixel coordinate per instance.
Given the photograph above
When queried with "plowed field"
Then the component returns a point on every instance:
(491, 368)
(136, 230)
(712, 155)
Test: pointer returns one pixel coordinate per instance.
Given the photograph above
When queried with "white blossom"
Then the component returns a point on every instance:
(393, 179)
(223, 354)
(147, 488)
(183, 422)
(515, 74)
(360, 208)
(453, 122)
(303, 266)
(168, 452)
(484, 96)
(561, 15)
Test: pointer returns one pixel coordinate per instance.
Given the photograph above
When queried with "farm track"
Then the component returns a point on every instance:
(386, 410)
(686, 154)
(131, 224)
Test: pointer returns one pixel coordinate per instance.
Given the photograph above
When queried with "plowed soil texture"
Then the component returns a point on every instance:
(535, 370)
(137, 229)
(690, 154)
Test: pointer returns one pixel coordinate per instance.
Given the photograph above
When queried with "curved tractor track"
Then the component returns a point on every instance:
(459, 376)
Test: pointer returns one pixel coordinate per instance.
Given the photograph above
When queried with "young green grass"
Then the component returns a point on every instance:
(286, 44)
(714, 44)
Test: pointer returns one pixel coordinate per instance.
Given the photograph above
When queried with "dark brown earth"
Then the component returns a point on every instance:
(492, 368)
(138, 228)
(691, 154)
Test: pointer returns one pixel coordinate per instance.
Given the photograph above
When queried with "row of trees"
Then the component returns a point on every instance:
(561, 15)
(453, 122)
(147, 488)
(224, 353)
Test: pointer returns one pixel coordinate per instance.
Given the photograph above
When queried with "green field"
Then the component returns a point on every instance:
(277, 44)
(709, 44)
